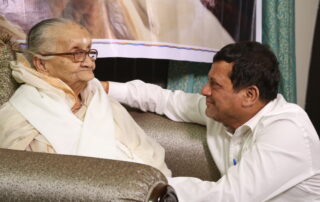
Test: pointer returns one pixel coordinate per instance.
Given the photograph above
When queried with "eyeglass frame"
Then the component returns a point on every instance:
(74, 54)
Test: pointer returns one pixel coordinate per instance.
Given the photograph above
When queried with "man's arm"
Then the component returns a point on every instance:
(105, 85)
(177, 105)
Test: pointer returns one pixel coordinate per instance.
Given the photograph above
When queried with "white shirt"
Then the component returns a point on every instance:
(272, 157)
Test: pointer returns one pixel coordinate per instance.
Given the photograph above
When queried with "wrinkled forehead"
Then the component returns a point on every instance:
(67, 37)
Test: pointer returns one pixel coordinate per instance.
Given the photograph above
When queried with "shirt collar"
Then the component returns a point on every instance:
(252, 123)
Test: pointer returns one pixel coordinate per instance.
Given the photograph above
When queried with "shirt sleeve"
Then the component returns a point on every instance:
(176, 105)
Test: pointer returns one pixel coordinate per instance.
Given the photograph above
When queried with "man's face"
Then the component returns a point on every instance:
(69, 38)
(221, 99)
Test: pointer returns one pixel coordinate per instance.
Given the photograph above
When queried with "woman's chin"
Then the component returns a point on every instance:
(87, 76)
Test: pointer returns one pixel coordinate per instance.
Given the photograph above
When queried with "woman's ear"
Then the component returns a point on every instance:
(40, 65)
(250, 95)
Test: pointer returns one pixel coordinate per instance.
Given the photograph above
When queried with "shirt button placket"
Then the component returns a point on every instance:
(234, 149)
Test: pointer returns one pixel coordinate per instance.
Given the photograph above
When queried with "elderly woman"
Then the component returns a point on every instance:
(61, 107)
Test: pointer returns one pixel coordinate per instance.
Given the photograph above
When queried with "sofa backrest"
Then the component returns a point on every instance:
(187, 152)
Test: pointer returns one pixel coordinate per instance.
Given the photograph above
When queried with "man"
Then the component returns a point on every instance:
(62, 108)
(265, 148)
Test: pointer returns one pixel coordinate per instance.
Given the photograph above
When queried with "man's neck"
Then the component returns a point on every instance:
(245, 116)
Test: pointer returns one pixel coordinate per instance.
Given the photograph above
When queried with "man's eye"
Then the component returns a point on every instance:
(212, 83)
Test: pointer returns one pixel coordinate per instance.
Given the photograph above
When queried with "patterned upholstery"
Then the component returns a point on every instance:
(7, 84)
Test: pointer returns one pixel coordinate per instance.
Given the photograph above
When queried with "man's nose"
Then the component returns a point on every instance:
(206, 90)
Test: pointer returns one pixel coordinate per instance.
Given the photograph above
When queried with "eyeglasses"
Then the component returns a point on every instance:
(78, 56)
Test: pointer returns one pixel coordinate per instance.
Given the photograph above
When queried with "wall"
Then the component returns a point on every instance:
(306, 12)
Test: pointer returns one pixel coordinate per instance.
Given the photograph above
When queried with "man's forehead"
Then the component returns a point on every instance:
(221, 68)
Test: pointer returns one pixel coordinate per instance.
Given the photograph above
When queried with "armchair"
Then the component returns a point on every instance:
(32, 176)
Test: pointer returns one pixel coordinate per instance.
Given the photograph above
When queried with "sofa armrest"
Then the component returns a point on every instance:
(32, 176)
(187, 152)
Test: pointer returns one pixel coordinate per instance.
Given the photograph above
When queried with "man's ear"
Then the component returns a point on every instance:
(40, 65)
(250, 96)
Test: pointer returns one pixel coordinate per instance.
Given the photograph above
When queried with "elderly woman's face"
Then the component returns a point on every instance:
(69, 38)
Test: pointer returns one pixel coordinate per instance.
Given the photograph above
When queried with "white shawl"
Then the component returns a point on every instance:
(94, 136)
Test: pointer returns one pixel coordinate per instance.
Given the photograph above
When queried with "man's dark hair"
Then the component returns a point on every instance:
(253, 64)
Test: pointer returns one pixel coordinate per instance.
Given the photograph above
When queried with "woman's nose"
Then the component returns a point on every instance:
(87, 61)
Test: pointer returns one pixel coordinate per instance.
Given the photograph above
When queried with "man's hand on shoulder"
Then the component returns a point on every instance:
(105, 85)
